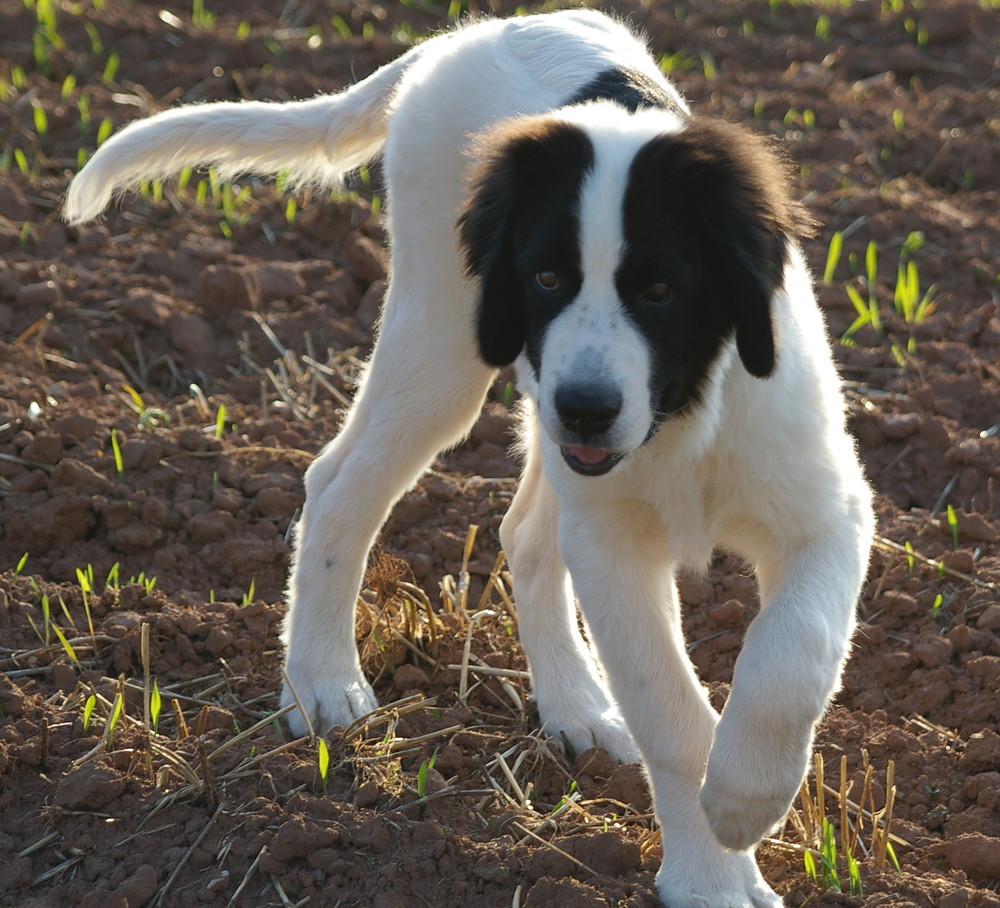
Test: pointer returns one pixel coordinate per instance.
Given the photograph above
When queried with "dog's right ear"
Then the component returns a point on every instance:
(518, 165)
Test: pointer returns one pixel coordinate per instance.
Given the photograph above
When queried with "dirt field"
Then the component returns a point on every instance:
(168, 373)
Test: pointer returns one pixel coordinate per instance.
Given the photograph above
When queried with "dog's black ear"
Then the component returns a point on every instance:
(749, 220)
(485, 228)
(522, 167)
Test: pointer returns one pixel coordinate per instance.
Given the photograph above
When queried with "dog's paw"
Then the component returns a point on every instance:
(606, 729)
(585, 716)
(328, 700)
(725, 879)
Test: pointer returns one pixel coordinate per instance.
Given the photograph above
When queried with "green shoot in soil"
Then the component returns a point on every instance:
(953, 526)
(833, 254)
(88, 712)
(117, 452)
(155, 705)
(323, 763)
(422, 774)
(116, 712)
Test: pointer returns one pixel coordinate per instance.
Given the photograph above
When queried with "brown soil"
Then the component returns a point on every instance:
(889, 109)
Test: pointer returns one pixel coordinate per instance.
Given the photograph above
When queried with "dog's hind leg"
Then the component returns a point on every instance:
(422, 392)
(572, 697)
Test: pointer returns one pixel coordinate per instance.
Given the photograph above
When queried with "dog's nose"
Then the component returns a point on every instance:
(587, 410)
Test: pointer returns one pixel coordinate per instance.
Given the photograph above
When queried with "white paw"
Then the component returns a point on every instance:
(328, 699)
(606, 729)
(724, 879)
(584, 716)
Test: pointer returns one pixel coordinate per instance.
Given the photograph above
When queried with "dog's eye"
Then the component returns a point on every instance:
(657, 293)
(547, 280)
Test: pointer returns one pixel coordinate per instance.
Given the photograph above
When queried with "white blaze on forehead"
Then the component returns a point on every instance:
(616, 136)
(593, 339)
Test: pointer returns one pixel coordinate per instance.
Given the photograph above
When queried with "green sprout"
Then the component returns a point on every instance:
(41, 120)
(116, 451)
(155, 705)
(66, 645)
(426, 766)
(111, 68)
(83, 112)
(88, 712)
(220, 421)
(104, 130)
(953, 526)
(96, 44)
(833, 254)
(323, 763)
(828, 857)
(201, 17)
(116, 712)
(867, 310)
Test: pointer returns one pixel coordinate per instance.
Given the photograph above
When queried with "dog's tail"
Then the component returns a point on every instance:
(315, 141)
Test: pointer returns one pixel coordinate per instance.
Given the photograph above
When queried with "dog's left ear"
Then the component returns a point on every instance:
(750, 219)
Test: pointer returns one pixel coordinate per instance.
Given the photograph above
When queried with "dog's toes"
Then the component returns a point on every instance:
(615, 738)
(606, 729)
(327, 703)
(358, 700)
(724, 880)
(584, 715)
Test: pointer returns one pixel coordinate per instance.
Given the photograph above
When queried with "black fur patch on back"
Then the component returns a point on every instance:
(629, 89)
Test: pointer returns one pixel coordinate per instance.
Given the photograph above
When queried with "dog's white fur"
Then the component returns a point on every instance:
(762, 467)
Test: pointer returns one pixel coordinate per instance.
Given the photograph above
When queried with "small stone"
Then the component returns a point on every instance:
(410, 677)
(90, 787)
(933, 650)
(280, 282)
(137, 889)
(222, 289)
(977, 854)
(368, 260)
(989, 620)
(45, 448)
(982, 753)
(192, 336)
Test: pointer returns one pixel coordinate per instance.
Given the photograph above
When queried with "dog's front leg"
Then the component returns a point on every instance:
(617, 551)
(789, 668)
(573, 700)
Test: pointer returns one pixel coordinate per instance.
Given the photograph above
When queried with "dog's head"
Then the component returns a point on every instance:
(620, 253)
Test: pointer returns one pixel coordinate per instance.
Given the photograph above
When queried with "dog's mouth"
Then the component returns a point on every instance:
(589, 461)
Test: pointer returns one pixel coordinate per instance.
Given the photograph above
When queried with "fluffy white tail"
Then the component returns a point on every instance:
(315, 141)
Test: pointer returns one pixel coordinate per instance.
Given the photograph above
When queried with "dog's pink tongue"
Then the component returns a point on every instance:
(588, 456)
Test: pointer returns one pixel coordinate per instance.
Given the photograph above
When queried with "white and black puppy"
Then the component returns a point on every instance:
(553, 203)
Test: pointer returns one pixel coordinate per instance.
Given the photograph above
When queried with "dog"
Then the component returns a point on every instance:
(554, 203)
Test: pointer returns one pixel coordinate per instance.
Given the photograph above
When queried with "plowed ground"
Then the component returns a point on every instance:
(122, 342)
